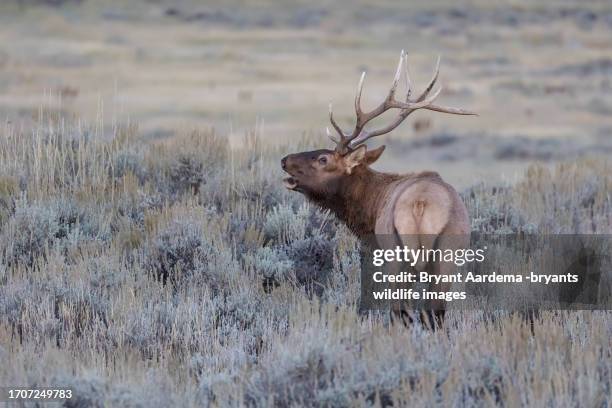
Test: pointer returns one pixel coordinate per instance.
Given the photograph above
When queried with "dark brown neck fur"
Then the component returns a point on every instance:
(359, 198)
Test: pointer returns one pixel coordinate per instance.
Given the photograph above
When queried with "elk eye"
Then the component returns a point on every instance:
(323, 160)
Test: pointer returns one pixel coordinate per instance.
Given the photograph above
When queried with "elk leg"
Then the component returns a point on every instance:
(441, 268)
(433, 319)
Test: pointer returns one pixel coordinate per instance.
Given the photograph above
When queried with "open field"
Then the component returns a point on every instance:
(91, 230)
(140, 258)
(538, 73)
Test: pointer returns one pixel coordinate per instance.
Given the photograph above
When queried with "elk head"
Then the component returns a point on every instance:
(321, 173)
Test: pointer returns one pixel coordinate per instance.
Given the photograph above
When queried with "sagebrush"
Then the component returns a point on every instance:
(180, 273)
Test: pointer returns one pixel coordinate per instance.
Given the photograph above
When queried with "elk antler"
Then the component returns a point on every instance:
(349, 141)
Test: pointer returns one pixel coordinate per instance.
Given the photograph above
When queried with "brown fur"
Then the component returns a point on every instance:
(413, 203)
(358, 200)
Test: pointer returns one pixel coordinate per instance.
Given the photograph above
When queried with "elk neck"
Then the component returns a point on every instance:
(359, 198)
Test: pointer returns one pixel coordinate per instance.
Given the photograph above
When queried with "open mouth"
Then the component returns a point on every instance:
(290, 183)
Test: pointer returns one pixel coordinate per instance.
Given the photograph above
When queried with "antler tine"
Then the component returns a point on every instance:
(358, 95)
(396, 78)
(425, 102)
(447, 109)
(432, 82)
(334, 124)
(408, 81)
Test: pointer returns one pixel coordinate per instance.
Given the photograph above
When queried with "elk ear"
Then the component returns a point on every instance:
(372, 155)
(354, 158)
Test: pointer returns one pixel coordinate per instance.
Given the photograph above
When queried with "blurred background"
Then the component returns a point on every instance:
(538, 73)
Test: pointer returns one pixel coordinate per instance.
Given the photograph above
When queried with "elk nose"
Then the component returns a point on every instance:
(284, 162)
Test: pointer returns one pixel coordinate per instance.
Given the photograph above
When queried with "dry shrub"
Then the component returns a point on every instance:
(93, 225)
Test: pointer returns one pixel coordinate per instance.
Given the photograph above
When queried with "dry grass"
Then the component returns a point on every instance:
(93, 223)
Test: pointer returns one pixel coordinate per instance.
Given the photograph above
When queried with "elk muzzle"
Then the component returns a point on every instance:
(289, 182)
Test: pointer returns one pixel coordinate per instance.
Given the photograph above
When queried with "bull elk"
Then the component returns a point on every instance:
(417, 209)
